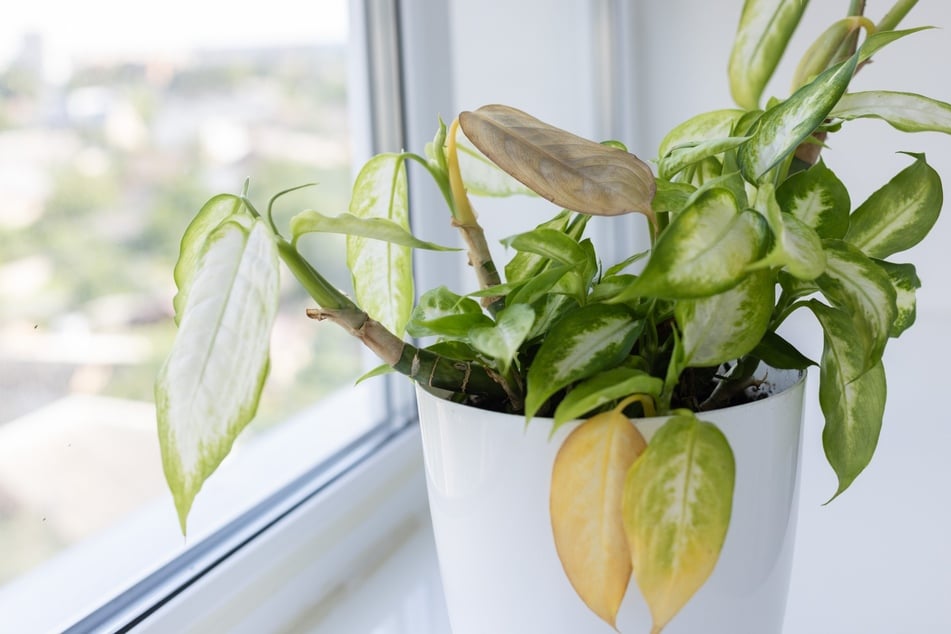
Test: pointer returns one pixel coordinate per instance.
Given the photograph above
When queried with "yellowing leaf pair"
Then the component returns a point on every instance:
(619, 506)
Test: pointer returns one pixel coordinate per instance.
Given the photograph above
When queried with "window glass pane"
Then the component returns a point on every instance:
(117, 120)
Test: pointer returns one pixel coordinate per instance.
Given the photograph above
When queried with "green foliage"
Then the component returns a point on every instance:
(747, 226)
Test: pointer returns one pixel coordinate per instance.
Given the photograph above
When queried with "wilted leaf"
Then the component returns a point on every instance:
(483, 177)
(678, 498)
(381, 271)
(581, 344)
(900, 214)
(587, 482)
(761, 38)
(209, 387)
(570, 171)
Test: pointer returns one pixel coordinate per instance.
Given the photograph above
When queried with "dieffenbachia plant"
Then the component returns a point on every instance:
(748, 225)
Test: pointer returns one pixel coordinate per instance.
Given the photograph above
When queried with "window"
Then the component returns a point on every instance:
(110, 138)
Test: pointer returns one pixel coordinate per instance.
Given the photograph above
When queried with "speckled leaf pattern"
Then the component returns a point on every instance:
(715, 124)
(209, 387)
(904, 278)
(704, 251)
(901, 213)
(579, 345)
(783, 127)
(904, 111)
(442, 313)
(570, 171)
(727, 325)
(684, 156)
(678, 498)
(382, 271)
(587, 481)
(764, 30)
(851, 395)
(818, 199)
(797, 247)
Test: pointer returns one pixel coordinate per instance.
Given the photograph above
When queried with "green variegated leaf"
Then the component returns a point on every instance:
(705, 250)
(905, 111)
(382, 272)
(442, 313)
(502, 340)
(778, 353)
(678, 498)
(682, 156)
(212, 214)
(715, 124)
(570, 171)
(818, 199)
(584, 342)
(209, 387)
(551, 244)
(761, 38)
(797, 247)
(783, 127)
(852, 397)
(727, 325)
(603, 388)
(881, 39)
(862, 289)
(900, 214)
(382, 229)
(905, 280)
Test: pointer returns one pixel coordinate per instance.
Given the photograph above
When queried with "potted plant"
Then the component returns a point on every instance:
(747, 226)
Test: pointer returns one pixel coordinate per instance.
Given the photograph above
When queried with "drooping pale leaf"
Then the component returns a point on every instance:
(502, 340)
(705, 250)
(550, 244)
(381, 271)
(584, 342)
(212, 214)
(905, 111)
(818, 199)
(587, 483)
(863, 290)
(783, 127)
(727, 325)
(715, 124)
(905, 280)
(570, 171)
(852, 397)
(483, 177)
(678, 498)
(208, 389)
(761, 38)
(822, 53)
(524, 264)
(797, 247)
(604, 388)
(778, 353)
(900, 214)
(682, 156)
(382, 229)
(442, 313)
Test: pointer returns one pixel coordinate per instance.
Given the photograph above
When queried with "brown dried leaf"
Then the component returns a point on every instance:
(568, 170)
(587, 486)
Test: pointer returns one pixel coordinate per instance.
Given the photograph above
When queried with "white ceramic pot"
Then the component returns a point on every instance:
(488, 477)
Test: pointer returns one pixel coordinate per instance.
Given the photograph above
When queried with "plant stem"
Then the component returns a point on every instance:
(480, 258)
(322, 291)
(896, 14)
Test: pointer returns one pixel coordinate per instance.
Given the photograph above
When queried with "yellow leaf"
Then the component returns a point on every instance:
(586, 491)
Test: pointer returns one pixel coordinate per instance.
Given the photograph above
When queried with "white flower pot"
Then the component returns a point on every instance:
(488, 477)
